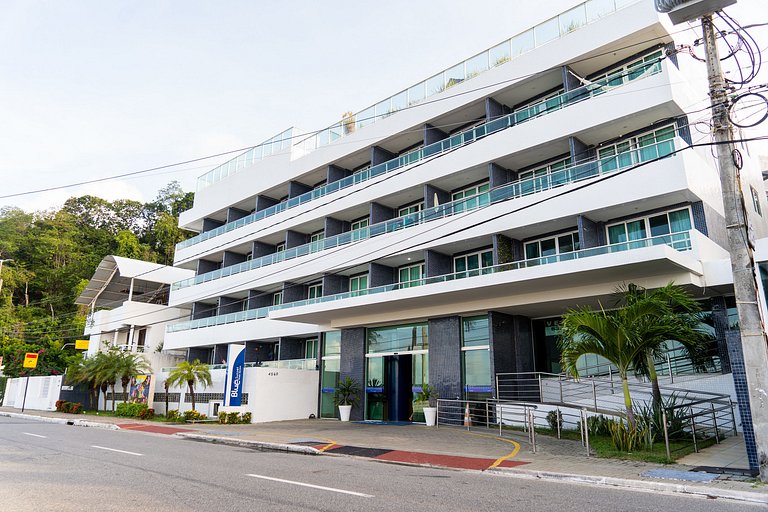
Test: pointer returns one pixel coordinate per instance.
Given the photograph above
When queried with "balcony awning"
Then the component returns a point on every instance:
(111, 282)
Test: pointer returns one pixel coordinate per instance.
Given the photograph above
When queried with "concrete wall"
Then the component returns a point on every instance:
(42, 393)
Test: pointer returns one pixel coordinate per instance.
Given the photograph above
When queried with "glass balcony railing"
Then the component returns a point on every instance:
(581, 171)
(290, 364)
(438, 148)
(545, 32)
(267, 148)
(679, 241)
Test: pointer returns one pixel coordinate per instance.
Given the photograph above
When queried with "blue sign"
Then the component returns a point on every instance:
(233, 384)
(374, 390)
(478, 389)
(328, 390)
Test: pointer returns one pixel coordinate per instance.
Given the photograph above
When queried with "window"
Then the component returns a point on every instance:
(551, 101)
(476, 358)
(317, 236)
(310, 348)
(642, 148)
(407, 210)
(411, 275)
(358, 283)
(473, 261)
(631, 71)
(544, 177)
(561, 244)
(314, 290)
(280, 247)
(359, 224)
(656, 225)
(469, 192)
(277, 298)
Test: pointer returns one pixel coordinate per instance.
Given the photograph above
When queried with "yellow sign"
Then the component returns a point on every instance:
(81, 344)
(30, 360)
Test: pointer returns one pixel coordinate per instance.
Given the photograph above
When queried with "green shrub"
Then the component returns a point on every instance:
(131, 410)
(147, 414)
(651, 417)
(68, 407)
(626, 438)
(193, 415)
(233, 417)
(598, 425)
(555, 420)
(172, 415)
(246, 417)
(222, 417)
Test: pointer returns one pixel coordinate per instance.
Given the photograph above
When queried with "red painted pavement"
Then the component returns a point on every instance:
(449, 461)
(155, 429)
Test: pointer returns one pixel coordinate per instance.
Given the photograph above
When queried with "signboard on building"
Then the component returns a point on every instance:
(142, 390)
(81, 344)
(233, 384)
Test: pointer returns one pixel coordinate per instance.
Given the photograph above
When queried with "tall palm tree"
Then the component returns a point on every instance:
(610, 334)
(107, 372)
(129, 365)
(681, 322)
(190, 374)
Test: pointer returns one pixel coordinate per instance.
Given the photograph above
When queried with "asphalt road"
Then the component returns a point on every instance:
(63, 468)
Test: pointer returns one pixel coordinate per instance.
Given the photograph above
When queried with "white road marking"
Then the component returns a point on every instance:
(118, 451)
(34, 435)
(353, 493)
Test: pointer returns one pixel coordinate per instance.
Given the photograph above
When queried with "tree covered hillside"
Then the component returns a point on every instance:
(55, 253)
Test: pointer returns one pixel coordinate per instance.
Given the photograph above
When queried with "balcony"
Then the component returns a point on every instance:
(442, 147)
(510, 191)
(660, 254)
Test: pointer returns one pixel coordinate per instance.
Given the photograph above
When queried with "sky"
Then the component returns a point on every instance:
(90, 89)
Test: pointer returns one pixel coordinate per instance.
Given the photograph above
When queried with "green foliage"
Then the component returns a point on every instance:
(427, 394)
(172, 415)
(232, 418)
(598, 425)
(132, 410)
(347, 392)
(555, 420)
(190, 374)
(55, 253)
(627, 438)
(650, 415)
(193, 415)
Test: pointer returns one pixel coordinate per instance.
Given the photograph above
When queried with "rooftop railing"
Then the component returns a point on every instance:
(581, 171)
(679, 241)
(512, 48)
(441, 147)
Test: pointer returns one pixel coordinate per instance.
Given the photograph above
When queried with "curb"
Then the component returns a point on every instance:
(246, 443)
(643, 485)
(61, 421)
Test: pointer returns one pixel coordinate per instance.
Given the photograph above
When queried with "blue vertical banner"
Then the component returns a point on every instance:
(233, 385)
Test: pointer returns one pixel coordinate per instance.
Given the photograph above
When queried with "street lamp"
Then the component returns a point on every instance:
(1, 271)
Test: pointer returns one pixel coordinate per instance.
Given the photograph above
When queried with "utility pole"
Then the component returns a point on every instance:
(753, 339)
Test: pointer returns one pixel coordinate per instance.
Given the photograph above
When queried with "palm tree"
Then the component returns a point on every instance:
(129, 365)
(190, 374)
(609, 334)
(107, 372)
(680, 323)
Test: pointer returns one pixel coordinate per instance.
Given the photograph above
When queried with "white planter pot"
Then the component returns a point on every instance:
(344, 411)
(430, 415)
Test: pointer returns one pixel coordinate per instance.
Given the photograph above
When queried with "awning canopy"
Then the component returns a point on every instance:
(111, 282)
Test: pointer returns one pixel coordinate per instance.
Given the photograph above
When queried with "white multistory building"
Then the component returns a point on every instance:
(438, 235)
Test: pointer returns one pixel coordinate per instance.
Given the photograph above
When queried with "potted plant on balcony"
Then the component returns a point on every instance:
(428, 394)
(346, 396)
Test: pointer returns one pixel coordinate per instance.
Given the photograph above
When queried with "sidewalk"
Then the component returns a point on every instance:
(451, 447)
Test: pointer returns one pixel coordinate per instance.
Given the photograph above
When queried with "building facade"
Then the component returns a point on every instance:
(438, 235)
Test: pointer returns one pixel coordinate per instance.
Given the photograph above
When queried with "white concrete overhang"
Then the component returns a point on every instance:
(535, 291)
(258, 329)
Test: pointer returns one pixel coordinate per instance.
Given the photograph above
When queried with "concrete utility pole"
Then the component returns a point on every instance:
(753, 339)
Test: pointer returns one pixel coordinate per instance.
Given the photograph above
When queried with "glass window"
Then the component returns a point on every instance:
(331, 370)
(317, 236)
(475, 331)
(407, 210)
(314, 290)
(332, 343)
(310, 348)
(617, 234)
(659, 225)
(476, 374)
(636, 230)
(359, 224)
(680, 220)
(552, 246)
(398, 338)
(473, 261)
(277, 298)
(358, 282)
(411, 275)
(547, 31)
(280, 247)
